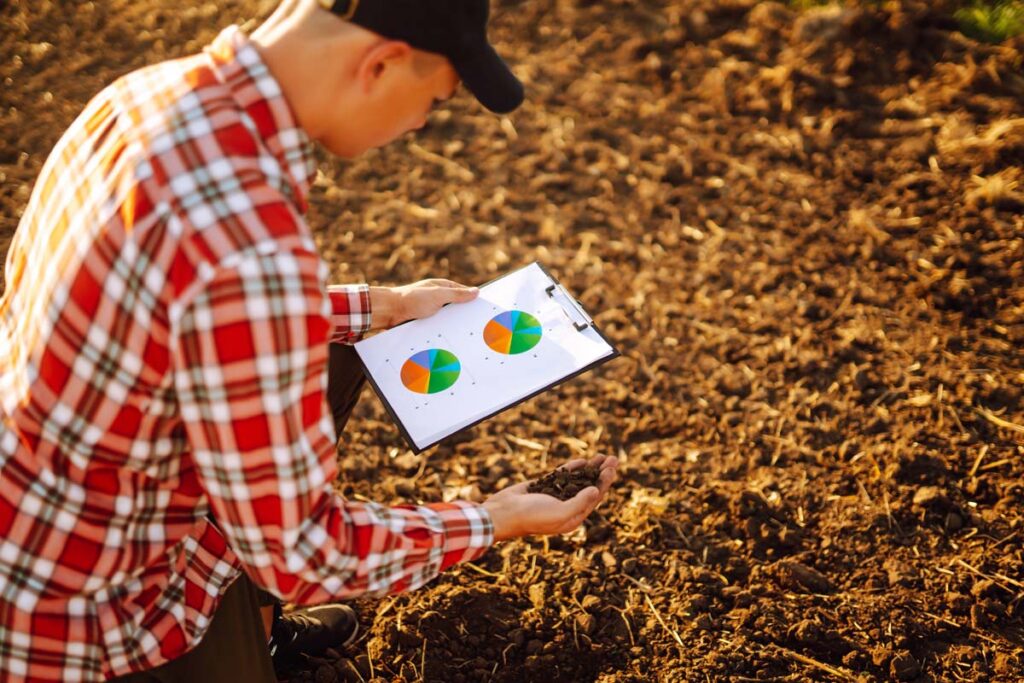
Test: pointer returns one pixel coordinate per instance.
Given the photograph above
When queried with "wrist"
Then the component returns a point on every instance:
(499, 520)
(385, 307)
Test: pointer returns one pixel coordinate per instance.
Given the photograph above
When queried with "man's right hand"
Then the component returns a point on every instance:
(515, 512)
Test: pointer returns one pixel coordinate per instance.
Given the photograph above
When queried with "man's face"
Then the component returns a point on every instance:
(395, 94)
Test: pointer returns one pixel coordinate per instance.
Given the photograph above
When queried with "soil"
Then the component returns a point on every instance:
(805, 234)
(564, 484)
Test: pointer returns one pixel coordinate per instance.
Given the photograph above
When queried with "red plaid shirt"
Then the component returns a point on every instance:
(163, 352)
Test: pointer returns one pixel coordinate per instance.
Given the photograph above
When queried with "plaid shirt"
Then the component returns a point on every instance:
(163, 353)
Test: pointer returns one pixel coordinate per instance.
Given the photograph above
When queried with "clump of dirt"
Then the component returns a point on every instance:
(564, 484)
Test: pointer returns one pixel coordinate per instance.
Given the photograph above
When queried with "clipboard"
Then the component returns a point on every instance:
(570, 345)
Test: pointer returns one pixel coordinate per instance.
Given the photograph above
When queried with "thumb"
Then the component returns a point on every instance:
(581, 504)
(578, 509)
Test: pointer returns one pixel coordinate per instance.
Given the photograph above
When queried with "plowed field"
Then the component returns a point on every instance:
(806, 234)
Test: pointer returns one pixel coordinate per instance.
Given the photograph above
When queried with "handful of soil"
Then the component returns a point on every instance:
(564, 484)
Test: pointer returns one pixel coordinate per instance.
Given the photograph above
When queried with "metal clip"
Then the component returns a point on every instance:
(576, 308)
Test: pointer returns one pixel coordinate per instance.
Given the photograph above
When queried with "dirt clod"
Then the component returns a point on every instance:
(800, 577)
(904, 667)
(931, 497)
(565, 484)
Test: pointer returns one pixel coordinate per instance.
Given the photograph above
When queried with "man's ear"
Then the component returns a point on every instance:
(379, 60)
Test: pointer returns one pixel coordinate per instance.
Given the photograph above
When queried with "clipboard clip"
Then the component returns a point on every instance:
(573, 311)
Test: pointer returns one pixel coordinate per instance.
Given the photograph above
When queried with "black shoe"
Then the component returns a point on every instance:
(310, 631)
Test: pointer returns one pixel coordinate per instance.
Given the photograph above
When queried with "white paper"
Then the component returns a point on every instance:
(488, 380)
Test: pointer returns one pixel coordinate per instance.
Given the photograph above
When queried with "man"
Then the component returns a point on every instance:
(165, 450)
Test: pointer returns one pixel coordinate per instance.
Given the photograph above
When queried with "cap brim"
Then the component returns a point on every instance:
(487, 76)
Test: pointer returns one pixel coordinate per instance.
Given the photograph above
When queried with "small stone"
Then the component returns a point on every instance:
(590, 602)
(534, 646)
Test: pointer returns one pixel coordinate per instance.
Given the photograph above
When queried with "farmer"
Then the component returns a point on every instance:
(166, 451)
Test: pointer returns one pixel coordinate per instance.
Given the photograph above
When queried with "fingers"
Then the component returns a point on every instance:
(605, 463)
(447, 284)
(596, 461)
(574, 464)
(606, 479)
(452, 292)
(609, 473)
(463, 294)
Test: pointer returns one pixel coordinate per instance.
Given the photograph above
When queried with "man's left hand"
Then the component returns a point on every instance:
(393, 305)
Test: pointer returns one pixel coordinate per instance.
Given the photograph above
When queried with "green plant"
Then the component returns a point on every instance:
(991, 21)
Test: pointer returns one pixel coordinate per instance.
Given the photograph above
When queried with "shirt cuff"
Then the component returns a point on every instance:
(469, 531)
(351, 314)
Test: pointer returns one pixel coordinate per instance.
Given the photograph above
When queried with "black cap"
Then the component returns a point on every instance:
(456, 29)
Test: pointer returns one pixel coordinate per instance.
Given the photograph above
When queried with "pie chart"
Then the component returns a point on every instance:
(512, 332)
(431, 371)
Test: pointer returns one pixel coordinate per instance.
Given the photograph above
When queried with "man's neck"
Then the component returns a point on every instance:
(308, 50)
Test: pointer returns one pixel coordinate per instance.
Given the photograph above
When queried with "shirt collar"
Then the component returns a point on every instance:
(241, 68)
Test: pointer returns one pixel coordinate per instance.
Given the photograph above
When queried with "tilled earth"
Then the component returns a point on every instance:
(804, 232)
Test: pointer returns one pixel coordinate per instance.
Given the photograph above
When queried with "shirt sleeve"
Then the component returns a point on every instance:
(351, 313)
(250, 376)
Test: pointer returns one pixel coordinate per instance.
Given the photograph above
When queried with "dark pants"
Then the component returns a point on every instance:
(235, 646)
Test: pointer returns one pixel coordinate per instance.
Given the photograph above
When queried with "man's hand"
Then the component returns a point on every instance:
(518, 513)
(394, 305)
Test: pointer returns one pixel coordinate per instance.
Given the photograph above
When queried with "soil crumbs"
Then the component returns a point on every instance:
(564, 484)
(804, 231)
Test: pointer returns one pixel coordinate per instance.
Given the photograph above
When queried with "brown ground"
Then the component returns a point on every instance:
(806, 237)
